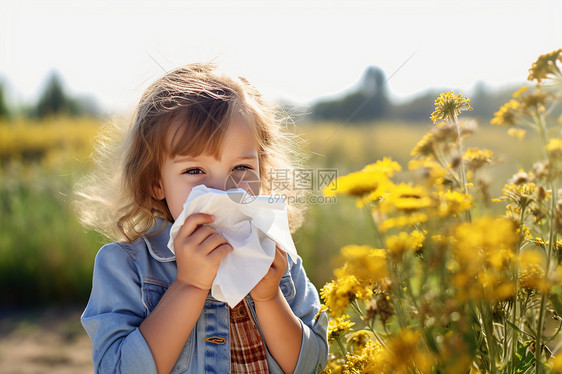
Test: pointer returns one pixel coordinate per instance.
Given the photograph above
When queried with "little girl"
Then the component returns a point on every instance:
(150, 311)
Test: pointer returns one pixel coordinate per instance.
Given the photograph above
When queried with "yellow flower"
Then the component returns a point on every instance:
(363, 262)
(371, 360)
(385, 166)
(521, 194)
(406, 198)
(519, 134)
(518, 93)
(398, 244)
(431, 170)
(532, 274)
(554, 147)
(508, 114)
(453, 202)
(371, 178)
(401, 221)
(476, 158)
(494, 286)
(339, 293)
(425, 146)
(545, 66)
(338, 325)
(555, 363)
(358, 340)
(449, 106)
(408, 354)
(323, 308)
(483, 250)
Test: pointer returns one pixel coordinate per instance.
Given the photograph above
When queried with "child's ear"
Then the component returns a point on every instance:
(159, 191)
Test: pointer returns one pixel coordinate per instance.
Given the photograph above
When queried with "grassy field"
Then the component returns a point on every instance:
(348, 148)
(46, 257)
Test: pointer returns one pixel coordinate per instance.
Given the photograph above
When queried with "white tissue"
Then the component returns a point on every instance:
(253, 228)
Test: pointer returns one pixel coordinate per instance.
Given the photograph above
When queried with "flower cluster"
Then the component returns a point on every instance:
(446, 288)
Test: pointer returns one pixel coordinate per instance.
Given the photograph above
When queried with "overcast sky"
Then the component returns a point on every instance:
(291, 50)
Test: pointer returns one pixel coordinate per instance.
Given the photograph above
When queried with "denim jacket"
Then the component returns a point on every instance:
(129, 280)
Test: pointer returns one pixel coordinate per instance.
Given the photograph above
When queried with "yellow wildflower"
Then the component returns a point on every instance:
(401, 221)
(431, 170)
(371, 178)
(323, 308)
(338, 325)
(358, 340)
(545, 66)
(520, 194)
(535, 101)
(518, 93)
(365, 263)
(385, 166)
(519, 134)
(555, 363)
(554, 148)
(407, 353)
(532, 275)
(425, 146)
(483, 249)
(508, 114)
(406, 198)
(398, 244)
(371, 360)
(453, 202)
(339, 293)
(449, 106)
(476, 158)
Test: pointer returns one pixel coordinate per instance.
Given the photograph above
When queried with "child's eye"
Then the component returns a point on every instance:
(192, 171)
(242, 167)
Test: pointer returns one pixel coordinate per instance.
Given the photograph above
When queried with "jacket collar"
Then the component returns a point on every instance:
(158, 244)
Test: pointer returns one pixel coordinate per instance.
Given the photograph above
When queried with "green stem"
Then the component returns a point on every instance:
(342, 348)
(515, 336)
(359, 311)
(554, 192)
(487, 322)
(461, 165)
(376, 232)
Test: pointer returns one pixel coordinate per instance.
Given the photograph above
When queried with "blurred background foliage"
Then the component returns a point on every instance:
(46, 257)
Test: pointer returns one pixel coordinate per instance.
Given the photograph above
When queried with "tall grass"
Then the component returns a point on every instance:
(47, 257)
(348, 148)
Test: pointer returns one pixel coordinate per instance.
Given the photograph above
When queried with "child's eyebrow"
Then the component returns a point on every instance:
(249, 156)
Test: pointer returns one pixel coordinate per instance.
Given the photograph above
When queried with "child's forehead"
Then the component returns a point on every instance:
(235, 135)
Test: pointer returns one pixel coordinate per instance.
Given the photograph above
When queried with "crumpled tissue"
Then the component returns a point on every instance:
(253, 227)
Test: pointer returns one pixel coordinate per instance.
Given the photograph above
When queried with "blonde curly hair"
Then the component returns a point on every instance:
(118, 197)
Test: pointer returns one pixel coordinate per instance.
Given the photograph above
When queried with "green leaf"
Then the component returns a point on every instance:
(525, 358)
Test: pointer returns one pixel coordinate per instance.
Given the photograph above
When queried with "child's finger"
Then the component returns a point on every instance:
(193, 221)
(280, 260)
(219, 252)
(201, 234)
(212, 242)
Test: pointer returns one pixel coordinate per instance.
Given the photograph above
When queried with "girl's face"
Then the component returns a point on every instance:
(239, 151)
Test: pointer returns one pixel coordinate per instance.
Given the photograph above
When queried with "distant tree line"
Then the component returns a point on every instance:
(369, 102)
(53, 100)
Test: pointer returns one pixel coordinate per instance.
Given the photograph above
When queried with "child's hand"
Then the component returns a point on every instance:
(268, 287)
(199, 251)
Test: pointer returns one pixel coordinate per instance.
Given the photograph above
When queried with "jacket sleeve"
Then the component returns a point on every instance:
(306, 306)
(114, 312)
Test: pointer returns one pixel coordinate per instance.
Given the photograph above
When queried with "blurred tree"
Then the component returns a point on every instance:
(4, 112)
(368, 102)
(53, 100)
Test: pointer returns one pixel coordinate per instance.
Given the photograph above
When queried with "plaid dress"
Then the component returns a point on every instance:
(247, 350)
